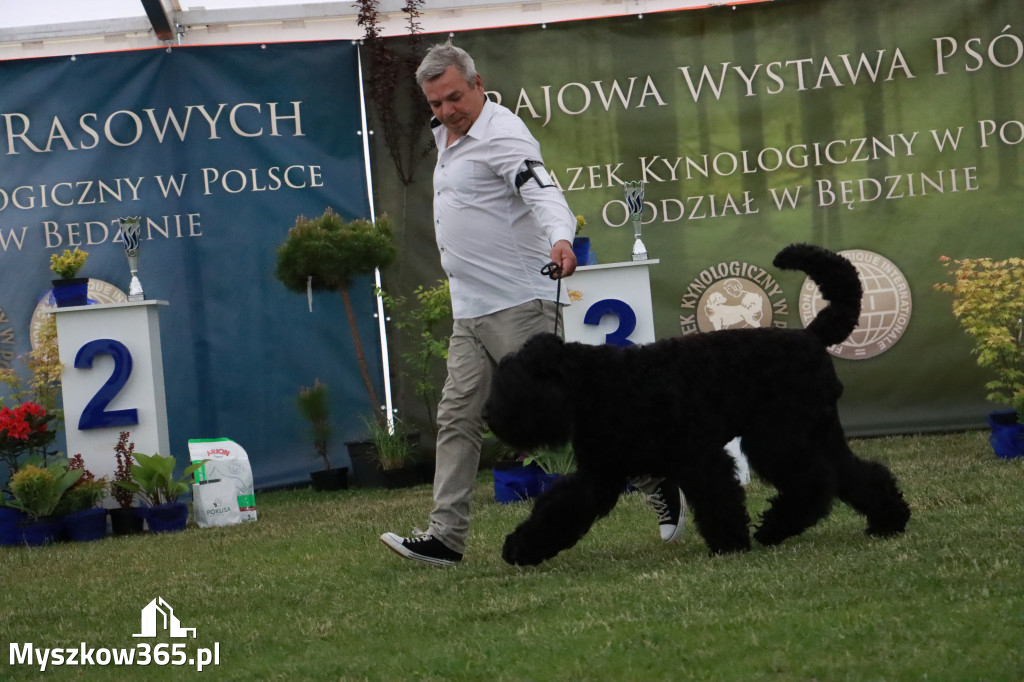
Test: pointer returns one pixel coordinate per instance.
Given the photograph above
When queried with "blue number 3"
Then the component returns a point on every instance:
(621, 310)
(96, 415)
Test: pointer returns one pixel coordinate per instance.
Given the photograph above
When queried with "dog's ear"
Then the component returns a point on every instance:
(546, 356)
(546, 344)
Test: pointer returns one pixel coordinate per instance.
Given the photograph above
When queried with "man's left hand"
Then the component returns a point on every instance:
(562, 254)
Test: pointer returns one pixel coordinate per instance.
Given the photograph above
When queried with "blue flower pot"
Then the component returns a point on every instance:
(10, 531)
(40, 532)
(166, 518)
(519, 483)
(1007, 437)
(86, 525)
(581, 248)
(71, 292)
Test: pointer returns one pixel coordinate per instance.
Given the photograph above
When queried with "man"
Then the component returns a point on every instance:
(499, 220)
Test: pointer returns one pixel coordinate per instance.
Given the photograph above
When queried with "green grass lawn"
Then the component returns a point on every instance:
(308, 592)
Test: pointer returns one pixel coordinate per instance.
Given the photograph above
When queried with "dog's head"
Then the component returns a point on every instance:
(529, 404)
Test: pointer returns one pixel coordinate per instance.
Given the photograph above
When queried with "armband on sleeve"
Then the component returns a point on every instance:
(534, 171)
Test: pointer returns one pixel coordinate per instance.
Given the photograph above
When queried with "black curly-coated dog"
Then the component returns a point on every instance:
(669, 408)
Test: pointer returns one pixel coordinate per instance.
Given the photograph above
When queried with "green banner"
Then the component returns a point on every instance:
(890, 131)
(218, 149)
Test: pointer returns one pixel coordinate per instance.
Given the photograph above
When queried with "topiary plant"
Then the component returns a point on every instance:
(326, 253)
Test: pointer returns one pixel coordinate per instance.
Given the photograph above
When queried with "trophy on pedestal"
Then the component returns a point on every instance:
(635, 203)
(130, 228)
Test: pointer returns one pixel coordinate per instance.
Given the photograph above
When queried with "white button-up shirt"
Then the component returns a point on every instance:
(493, 238)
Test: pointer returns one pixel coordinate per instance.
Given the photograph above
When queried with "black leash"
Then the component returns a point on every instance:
(554, 271)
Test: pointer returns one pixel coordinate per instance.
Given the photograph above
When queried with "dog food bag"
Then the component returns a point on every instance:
(215, 503)
(227, 470)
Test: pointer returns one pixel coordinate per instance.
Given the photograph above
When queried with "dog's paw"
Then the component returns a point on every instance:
(518, 552)
(737, 542)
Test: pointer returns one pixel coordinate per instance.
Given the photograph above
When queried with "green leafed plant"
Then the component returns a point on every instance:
(38, 489)
(553, 460)
(988, 302)
(153, 479)
(45, 370)
(428, 323)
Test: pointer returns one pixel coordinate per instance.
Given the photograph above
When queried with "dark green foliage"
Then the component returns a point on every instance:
(333, 251)
(315, 407)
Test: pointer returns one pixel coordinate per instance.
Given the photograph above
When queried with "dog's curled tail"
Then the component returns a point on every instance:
(839, 284)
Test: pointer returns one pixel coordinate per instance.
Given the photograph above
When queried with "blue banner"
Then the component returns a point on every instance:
(218, 149)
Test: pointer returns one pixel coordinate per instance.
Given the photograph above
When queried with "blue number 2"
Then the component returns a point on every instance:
(95, 415)
(621, 310)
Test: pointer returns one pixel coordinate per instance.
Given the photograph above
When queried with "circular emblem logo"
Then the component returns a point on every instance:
(99, 292)
(732, 295)
(885, 307)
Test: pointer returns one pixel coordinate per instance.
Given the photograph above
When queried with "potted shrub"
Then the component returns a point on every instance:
(988, 302)
(28, 429)
(69, 290)
(153, 481)
(390, 455)
(326, 253)
(314, 404)
(37, 489)
(125, 518)
(81, 516)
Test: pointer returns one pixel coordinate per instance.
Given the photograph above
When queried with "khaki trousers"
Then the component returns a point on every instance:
(476, 346)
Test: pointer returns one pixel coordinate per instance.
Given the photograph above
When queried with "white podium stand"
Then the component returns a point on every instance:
(113, 380)
(609, 304)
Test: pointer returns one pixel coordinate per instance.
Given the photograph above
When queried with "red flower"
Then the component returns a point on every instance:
(22, 421)
(32, 408)
(17, 428)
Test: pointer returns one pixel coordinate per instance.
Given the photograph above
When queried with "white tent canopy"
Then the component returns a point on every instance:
(60, 27)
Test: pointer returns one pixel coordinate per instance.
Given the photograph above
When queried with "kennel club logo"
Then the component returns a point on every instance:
(885, 308)
(732, 295)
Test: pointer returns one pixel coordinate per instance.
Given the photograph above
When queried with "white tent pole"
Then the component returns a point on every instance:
(385, 363)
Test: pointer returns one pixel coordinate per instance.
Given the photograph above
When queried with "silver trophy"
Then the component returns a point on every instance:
(130, 228)
(635, 202)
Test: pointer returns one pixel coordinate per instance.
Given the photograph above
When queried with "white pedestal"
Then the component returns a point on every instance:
(113, 380)
(609, 304)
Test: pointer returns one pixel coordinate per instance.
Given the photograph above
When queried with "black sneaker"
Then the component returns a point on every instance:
(669, 504)
(425, 548)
